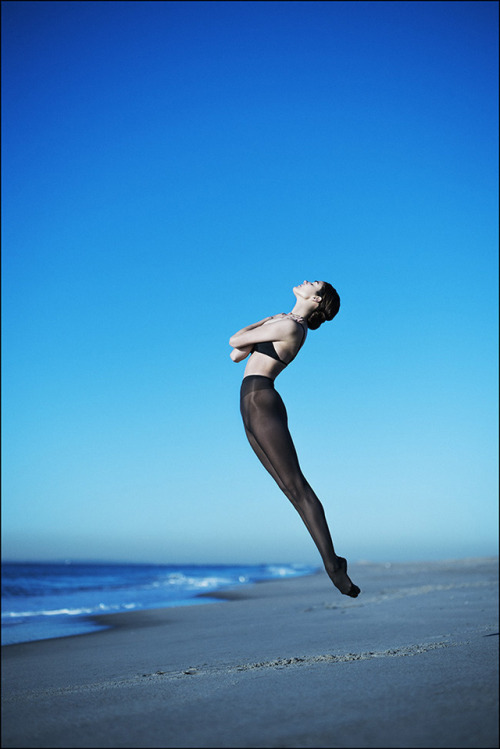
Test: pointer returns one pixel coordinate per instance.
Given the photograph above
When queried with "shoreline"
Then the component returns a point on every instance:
(411, 662)
(72, 614)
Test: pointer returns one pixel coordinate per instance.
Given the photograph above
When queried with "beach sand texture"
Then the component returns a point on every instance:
(412, 662)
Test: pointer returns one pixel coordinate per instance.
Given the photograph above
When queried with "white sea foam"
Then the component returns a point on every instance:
(99, 609)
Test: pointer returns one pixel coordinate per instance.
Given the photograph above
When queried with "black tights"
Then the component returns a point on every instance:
(266, 426)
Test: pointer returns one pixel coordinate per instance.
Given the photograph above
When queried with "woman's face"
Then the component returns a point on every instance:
(308, 289)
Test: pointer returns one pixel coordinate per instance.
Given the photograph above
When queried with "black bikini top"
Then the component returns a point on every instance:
(267, 347)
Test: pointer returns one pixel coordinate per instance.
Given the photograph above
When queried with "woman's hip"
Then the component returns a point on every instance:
(255, 383)
(260, 403)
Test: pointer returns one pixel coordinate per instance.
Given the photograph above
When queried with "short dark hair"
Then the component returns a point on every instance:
(326, 309)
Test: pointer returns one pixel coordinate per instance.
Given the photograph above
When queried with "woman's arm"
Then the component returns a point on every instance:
(241, 352)
(279, 330)
(255, 325)
(238, 354)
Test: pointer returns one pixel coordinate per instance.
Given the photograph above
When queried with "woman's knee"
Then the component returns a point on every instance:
(301, 491)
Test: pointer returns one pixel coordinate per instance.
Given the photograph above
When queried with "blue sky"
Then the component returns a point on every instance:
(170, 172)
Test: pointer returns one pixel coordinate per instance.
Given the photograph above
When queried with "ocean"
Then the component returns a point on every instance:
(42, 600)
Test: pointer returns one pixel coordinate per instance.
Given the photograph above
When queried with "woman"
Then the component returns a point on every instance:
(271, 344)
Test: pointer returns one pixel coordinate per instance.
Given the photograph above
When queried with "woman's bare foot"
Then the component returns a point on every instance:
(342, 581)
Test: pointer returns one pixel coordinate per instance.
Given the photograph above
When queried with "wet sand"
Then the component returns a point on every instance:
(411, 662)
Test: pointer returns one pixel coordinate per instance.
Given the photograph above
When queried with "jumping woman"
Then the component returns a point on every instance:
(271, 345)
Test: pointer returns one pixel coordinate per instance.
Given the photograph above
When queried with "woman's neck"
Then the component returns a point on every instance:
(296, 316)
(303, 308)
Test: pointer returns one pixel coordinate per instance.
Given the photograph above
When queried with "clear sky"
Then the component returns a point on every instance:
(170, 171)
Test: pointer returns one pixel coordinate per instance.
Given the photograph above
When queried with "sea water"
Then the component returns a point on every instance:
(43, 600)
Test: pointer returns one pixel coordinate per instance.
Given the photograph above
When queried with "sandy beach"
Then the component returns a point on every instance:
(412, 662)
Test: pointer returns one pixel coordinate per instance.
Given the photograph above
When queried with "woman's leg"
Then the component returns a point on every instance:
(266, 426)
